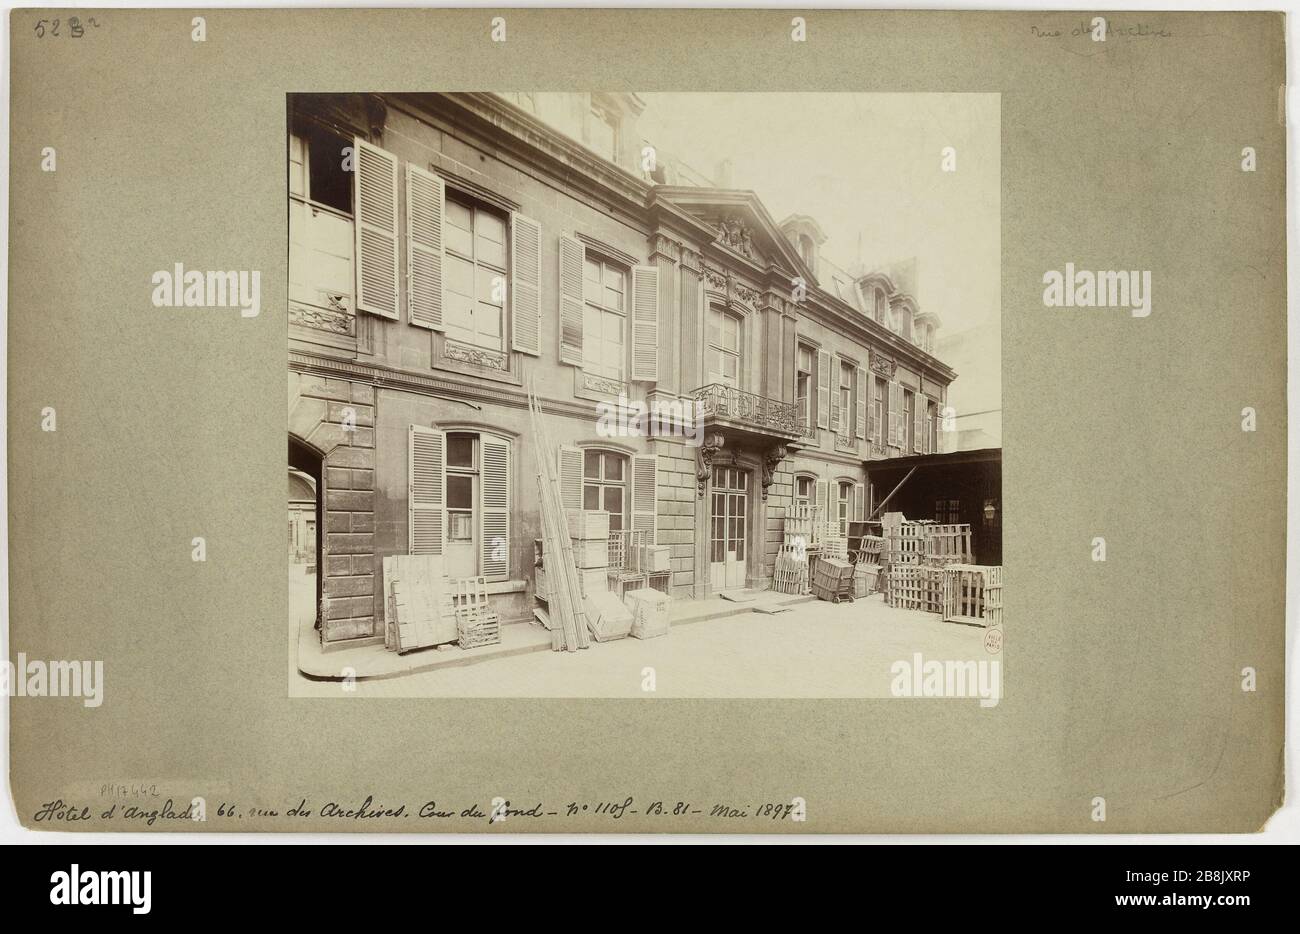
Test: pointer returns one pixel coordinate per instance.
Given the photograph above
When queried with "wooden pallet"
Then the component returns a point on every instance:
(916, 587)
(972, 594)
(790, 573)
(419, 601)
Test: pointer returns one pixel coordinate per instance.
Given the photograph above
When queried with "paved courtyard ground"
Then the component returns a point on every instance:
(812, 650)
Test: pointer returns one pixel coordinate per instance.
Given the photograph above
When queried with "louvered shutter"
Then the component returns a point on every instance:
(860, 429)
(823, 388)
(425, 493)
(425, 208)
(821, 496)
(374, 198)
(918, 421)
(525, 284)
(645, 323)
(926, 424)
(838, 418)
(494, 516)
(859, 501)
(645, 492)
(571, 477)
(573, 255)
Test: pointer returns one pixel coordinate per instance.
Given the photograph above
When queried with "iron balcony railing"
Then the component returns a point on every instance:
(718, 400)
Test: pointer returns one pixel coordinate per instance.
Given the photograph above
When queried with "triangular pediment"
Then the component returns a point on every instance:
(740, 222)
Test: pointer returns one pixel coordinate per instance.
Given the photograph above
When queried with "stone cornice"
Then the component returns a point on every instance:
(450, 387)
(533, 144)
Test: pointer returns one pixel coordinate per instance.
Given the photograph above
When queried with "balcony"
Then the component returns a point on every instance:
(747, 416)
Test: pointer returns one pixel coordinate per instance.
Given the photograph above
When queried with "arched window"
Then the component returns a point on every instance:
(804, 486)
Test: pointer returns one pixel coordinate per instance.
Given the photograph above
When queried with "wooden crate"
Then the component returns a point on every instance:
(867, 549)
(972, 594)
(651, 613)
(916, 587)
(588, 525)
(833, 580)
(590, 554)
(866, 578)
(905, 544)
(607, 618)
(476, 623)
(947, 544)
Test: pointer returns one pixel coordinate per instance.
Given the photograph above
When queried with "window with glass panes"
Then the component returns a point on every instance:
(845, 426)
(803, 490)
(878, 404)
(844, 505)
(604, 319)
(474, 274)
(724, 348)
(462, 468)
(803, 392)
(604, 486)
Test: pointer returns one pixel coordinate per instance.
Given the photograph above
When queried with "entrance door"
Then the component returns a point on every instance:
(729, 528)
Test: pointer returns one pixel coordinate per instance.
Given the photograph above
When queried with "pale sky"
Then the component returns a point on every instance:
(869, 165)
(863, 164)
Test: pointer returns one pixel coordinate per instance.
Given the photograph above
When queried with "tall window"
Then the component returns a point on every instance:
(462, 469)
(604, 486)
(475, 274)
(878, 403)
(724, 348)
(844, 505)
(932, 428)
(320, 220)
(845, 428)
(947, 511)
(882, 307)
(909, 426)
(604, 319)
(803, 490)
(803, 391)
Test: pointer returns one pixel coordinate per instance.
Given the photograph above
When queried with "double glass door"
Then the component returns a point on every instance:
(729, 528)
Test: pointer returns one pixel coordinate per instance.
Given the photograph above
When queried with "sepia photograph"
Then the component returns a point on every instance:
(699, 392)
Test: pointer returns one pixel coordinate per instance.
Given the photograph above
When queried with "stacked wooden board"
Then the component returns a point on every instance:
(565, 610)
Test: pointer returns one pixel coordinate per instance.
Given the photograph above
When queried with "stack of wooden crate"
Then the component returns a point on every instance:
(589, 533)
(865, 551)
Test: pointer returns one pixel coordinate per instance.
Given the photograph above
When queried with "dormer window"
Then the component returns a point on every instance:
(807, 250)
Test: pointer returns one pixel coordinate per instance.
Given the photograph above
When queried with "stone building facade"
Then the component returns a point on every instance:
(450, 253)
